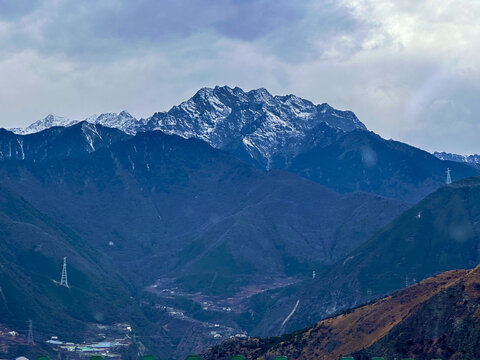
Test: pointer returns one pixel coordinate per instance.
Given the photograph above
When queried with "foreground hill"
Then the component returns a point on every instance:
(440, 233)
(438, 317)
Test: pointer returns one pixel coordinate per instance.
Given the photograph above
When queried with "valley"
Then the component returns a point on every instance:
(445, 237)
(436, 317)
(168, 289)
(192, 244)
(239, 180)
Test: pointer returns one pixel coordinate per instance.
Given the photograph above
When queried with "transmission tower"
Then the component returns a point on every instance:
(30, 333)
(449, 178)
(64, 279)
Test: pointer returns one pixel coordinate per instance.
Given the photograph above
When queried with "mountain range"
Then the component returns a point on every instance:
(264, 128)
(222, 208)
(122, 121)
(318, 142)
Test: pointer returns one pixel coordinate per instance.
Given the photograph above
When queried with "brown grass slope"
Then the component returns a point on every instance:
(439, 316)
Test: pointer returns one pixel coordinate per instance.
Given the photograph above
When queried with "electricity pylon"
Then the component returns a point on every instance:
(449, 178)
(64, 279)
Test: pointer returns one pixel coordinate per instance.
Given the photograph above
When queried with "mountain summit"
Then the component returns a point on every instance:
(253, 124)
(47, 122)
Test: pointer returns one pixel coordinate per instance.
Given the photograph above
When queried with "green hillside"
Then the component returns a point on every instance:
(32, 247)
(440, 233)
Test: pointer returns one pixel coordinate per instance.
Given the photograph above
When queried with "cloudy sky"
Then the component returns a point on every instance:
(409, 69)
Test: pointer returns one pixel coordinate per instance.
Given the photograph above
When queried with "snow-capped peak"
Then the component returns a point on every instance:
(266, 126)
(473, 159)
(123, 121)
(47, 122)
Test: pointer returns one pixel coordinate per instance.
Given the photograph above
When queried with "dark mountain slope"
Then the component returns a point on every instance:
(57, 142)
(32, 247)
(438, 234)
(158, 203)
(438, 318)
(363, 161)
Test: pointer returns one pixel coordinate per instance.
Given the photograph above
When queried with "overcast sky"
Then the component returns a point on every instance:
(409, 69)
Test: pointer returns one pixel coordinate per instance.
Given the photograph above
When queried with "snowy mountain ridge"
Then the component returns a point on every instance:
(253, 124)
(467, 159)
(49, 121)
(122, 121)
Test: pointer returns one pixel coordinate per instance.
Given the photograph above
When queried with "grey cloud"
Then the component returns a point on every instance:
(12, 10)
(91, 30)
(329, 32)
(448, 117)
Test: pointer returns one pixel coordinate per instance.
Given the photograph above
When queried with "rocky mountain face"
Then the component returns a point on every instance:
(49, 121)
(122, 121)
(438, 234)
(437, 317)
(473, 160)
(269, 130)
